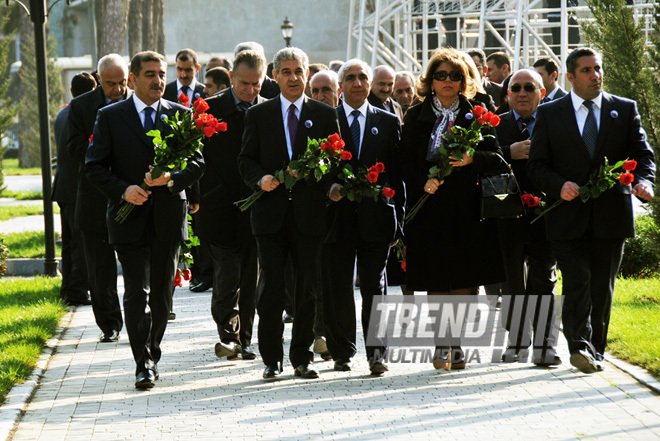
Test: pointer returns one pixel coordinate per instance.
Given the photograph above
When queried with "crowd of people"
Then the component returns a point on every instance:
(294, 255)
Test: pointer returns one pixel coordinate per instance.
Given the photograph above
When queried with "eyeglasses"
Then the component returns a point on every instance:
(454, 75)
(516, 88)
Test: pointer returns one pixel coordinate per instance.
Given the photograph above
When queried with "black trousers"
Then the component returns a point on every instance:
(338, 283)
(148, 267)
(74, 270)
(589, 267)
(234, 288)
(202, 266)
(102, 276)
(273, 250)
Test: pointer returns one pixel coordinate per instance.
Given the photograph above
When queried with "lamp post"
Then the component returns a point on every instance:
(38, 13)
(287, 31)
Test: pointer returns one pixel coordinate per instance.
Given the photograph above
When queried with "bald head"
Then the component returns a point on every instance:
(383, 82)
(525, 92)
(113, 75)
(324, 87)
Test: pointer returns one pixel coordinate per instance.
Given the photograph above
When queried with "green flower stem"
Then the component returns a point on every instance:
(542, 213)
(127, 207)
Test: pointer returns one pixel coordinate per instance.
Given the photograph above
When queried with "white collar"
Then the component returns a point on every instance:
(140, 105)
(193, 83)
(286, 103)
(362, 109)
(577, 100)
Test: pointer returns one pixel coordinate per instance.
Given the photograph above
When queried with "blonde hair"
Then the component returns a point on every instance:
(456, 60)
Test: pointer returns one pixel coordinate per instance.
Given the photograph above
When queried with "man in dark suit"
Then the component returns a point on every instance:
(571, 138)
(148, 241)
(186, 82)
(222, 225)
(491, 88)
(269, 88)
(549, 70)
(75, 287)
(91, 204)
(528, 260)
(360, 231)
(382, 87)
(286, 221)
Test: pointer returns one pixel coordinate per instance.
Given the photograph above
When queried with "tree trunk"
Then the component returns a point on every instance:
(28, 115)
(113, 27)
(159, 12)
(134, 27)
(148, 34)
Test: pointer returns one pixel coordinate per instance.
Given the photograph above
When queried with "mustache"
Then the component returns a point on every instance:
(157, 87)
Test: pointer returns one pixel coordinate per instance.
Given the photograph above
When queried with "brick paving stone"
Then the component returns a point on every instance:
(87, 393)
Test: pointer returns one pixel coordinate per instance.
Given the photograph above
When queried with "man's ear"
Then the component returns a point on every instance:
(542, 93)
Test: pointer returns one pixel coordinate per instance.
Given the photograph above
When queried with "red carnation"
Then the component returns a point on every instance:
(201, 105)
(525, 199)
(199, 122)
(388, 192)
(534, 202)
(626, 178)
(630, 165)
(380, 167)
(211, 121)
(220, 126)
(346, 155)
(339, 144)
(177, 278)
(326, 146)
(183, 99)
(372, 176)
(209, 131)
(186, 274)
(478, 111)
(487, 116)
(334, 137)
(495, 120)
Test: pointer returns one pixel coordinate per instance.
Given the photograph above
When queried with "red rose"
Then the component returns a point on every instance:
(186, 274)
(334, 137)
(220, 126)
(630, 165)
(326, 145)
(209, 131)
(525, 199)
(90, 138)
(201, 105)
(338, 145)
(199, 122)
(183, 99)
(487, 116)
(177, 278)
(380, 167)
(478, 111)
(403, 266)
(534, 202)
(388, 192)
(626, 178)
(372, 176)
(495, 120)
(346, 155)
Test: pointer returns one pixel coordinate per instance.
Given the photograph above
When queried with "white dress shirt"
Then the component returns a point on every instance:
(581, 110)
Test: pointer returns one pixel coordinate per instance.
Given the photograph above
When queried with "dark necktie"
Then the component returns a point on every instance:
(355, 130)
(590, 131)
(243, 106)
(292, 123)
(148, 121)
(184, 90)
(523, 125)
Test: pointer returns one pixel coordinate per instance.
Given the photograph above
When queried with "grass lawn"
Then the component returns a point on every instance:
(30, 311)
(634, 333)
(11, 211)
(23, 195)
(11, 168)
(29, 244)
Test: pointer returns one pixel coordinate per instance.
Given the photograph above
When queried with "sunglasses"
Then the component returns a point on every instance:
(454, 75)
(515, 88)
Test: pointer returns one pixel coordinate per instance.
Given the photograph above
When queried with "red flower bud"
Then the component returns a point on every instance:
(626, 178)
(338, 145)
(183, 99)
(221, 126)
(372, 176)
(380, 167)
(200, 121)
(388, 192)
(186, 274)
(326, 146)
(487, 116)
(403, 266)
(346, 155)
(209, 131)
(90, 137)
(630, 165)
(478, 111)
(534, 202)
(334, 137)
(201, 106)
(495, 120)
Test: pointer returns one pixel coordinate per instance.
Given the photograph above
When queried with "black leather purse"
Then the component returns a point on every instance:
(501, 197)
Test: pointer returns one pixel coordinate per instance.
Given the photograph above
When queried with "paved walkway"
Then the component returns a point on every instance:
(87, 394)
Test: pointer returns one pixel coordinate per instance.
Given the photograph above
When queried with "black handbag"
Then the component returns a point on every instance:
(500, 196)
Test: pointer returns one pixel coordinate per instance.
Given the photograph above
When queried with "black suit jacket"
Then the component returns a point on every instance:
(90, 202)
(66, 173)
(372, 221)
(222, 185)
(376, 102)
(264, 151)
(558, 154)
(171, 94)
(119, 155)
(269, 88)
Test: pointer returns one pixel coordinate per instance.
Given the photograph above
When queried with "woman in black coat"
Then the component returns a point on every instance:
(449, 250)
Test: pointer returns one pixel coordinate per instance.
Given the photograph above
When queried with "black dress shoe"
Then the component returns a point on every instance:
(110, 336)
(288, 318)
(306, 370)
(227, 349)
(584, 361)
(145, 380)
(546, 358)
(248, 354)
(272, 371)
(78, 302)
(201, 286)
(458, 358)
(172, 316)
(343, 364)
(377, 368)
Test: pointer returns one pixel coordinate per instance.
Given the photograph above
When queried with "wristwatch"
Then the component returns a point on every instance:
(170, 183)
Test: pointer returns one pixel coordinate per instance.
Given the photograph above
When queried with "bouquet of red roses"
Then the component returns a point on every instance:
(600, 181)
(363, 182)
(316, 162)
(456, 142)
(173, 151)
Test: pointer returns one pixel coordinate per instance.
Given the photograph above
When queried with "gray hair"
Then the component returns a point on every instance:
(354, 62)
(249, 46)
(536, 77)
(330, 74)
(289, 54)
(111, 60)
(405, 74)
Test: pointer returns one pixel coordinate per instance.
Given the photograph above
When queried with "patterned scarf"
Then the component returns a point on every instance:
(444, 121)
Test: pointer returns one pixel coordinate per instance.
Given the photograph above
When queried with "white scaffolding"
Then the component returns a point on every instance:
(405, 32)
